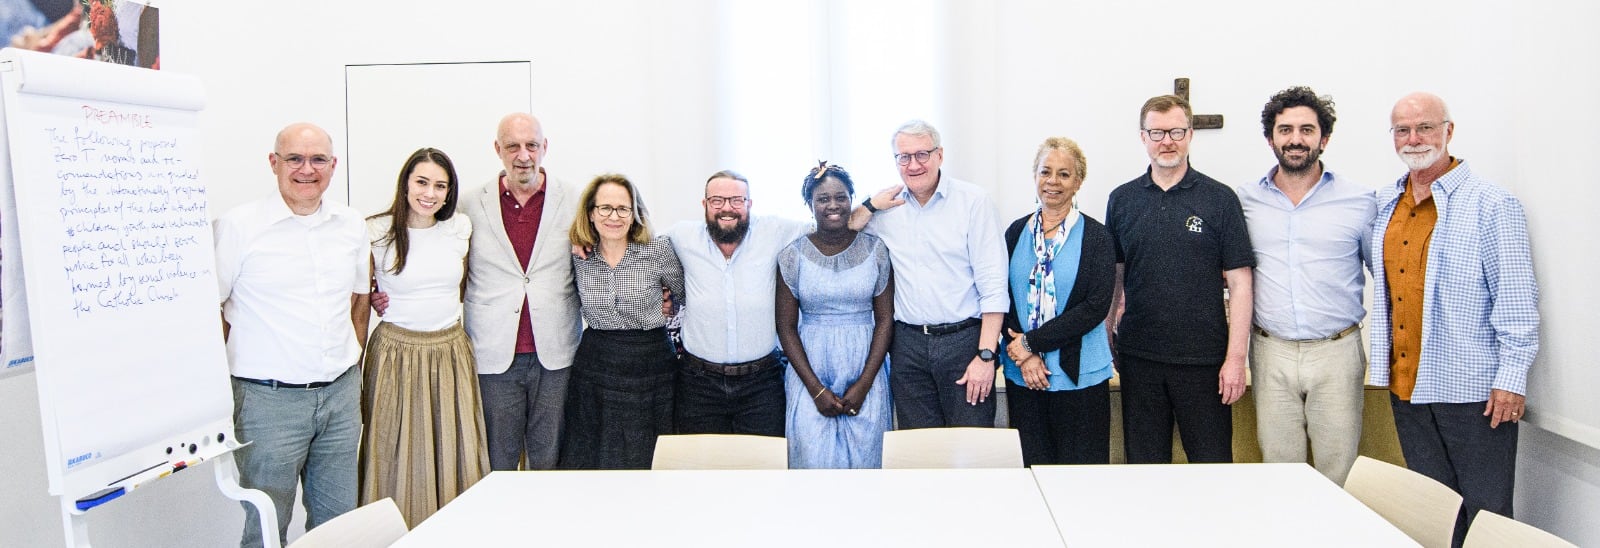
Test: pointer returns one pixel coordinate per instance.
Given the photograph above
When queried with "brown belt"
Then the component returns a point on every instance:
(732, 369)
(1334, 337)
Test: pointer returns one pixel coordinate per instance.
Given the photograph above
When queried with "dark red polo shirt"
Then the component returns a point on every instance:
(522, 228)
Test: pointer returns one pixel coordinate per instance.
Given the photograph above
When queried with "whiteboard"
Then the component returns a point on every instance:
(393, 110)
(103, 181)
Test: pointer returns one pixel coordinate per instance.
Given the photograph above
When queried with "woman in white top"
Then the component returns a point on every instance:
(424, 438)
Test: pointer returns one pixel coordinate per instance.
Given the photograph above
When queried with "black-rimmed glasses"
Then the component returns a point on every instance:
(719, 201)
(1177, 133)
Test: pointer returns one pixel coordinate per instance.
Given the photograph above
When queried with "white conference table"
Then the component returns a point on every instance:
(1232, 505)
(804, 508)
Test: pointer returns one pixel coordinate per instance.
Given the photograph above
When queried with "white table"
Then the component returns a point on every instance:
(1232, 505)
(804, 508)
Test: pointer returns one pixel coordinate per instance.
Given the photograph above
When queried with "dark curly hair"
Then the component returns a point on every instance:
(1298, 96)
(821, 173)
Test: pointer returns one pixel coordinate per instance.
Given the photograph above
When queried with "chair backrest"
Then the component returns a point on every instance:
(376, 525)
(952, 448)
(720, 452)
(1491, 530)
(1421, 507)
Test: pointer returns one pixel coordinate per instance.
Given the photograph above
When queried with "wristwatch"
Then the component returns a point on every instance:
(867, 203)
(986, 354)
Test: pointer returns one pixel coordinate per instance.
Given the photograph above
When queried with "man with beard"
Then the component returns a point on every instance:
(1455, 316)
(730, 381)
(1181, 241)
(1309, 229)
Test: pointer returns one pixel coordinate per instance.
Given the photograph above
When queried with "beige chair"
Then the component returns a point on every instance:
(720, 452)
(952, 448)
(1491, 530)
(375, 525)
(1421, 507)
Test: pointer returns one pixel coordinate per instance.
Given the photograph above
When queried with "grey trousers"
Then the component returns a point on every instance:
(923, 379)
(298, 436)
(522, 413)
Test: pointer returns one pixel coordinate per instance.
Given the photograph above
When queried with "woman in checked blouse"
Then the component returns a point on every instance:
(620, 395)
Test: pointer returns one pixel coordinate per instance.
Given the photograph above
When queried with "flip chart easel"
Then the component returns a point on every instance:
(105, 217)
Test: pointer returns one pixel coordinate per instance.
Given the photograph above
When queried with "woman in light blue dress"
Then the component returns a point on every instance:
(835, 315)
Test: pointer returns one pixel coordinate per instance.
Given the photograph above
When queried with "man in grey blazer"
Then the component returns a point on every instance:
(521, 304)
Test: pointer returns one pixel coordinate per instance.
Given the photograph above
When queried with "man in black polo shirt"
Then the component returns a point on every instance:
(1181, 241)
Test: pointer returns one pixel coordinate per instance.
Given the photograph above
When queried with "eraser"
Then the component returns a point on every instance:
(100, 497)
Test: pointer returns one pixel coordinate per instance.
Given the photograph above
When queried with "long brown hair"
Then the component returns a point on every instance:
(400, 210)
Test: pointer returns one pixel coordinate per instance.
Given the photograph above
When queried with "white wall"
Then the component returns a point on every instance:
(659, 91)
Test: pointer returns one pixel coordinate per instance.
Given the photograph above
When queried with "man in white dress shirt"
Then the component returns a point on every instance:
(293, 271)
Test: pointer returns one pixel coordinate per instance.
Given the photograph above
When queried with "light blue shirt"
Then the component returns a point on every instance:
(730, 316)
(949, 257)
(1480, 301)
(1309, 257)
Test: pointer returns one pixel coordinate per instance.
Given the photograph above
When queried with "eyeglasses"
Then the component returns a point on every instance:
(295, 161)
(1158, 134)
(622, 212)
(1424, 129)
(718, 201)
(922, 157)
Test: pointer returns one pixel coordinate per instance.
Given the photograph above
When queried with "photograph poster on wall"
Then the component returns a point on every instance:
(115, 31)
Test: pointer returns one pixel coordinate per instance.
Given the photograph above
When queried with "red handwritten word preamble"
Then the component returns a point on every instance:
(115, 118)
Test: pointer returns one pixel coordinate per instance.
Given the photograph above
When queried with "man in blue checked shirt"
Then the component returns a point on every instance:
(1455, 313)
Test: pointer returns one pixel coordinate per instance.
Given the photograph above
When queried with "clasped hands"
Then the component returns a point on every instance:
(833, 405)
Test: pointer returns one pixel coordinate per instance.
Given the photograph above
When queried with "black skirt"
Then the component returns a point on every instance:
(619, 399)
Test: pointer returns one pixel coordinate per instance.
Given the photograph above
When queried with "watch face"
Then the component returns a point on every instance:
(986, 355)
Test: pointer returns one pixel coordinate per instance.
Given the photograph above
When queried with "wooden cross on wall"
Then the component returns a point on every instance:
(1180, 87)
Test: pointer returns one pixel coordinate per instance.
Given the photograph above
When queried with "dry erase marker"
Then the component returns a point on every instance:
(142, 483)
(99, 497)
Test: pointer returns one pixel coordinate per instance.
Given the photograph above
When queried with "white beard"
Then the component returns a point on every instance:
(1418, 162)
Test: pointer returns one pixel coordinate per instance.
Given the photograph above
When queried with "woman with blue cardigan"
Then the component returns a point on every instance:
(1058, 357)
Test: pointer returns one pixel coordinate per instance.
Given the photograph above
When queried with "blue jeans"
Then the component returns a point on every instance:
(522, 413)
(713, 403)
(292, 430)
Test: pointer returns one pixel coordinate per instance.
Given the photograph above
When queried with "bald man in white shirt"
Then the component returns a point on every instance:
(293, 275)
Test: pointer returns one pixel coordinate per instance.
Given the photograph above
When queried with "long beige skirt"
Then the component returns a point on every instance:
(424, 441)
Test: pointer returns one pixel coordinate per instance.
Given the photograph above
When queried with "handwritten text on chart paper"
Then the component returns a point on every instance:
(132, 211)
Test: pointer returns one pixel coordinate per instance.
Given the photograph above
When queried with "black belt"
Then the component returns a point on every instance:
(734, 369)
(1334, 337)
(275, 384)
(943, 328)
